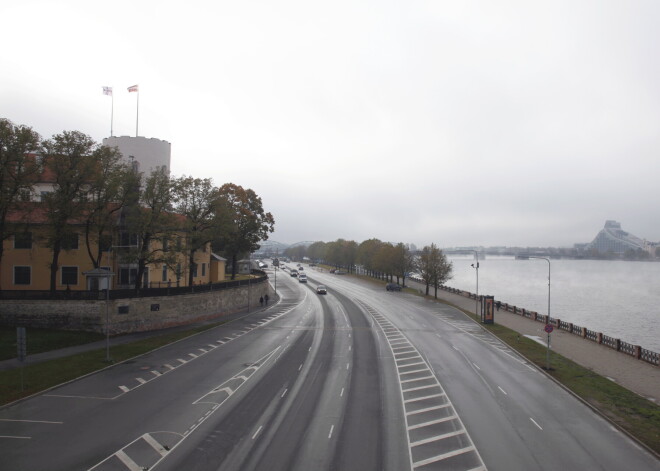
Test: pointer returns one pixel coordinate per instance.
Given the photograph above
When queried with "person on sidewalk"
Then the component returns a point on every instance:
(261, 301)
(266, 298)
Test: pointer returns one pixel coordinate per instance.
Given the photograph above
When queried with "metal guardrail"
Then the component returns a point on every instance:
(619, 345)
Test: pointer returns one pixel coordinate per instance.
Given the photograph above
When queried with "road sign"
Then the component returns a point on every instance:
(548, 328)
(21, 343)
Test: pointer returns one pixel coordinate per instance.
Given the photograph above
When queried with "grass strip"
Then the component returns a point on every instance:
(43, 340)
(41, 376)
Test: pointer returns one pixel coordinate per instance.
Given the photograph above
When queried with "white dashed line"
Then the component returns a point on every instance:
(257, 432)
(331, 429)
(503, 391)
(534, 422)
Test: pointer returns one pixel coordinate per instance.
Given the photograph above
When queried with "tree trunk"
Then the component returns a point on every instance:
(54, 265)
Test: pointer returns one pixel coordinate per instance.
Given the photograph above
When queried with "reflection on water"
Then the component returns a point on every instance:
(620, 299)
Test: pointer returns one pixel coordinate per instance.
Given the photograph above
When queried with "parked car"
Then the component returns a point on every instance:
(320, 289)
(392, 287)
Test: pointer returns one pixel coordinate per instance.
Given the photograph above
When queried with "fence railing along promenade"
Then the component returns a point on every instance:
(95, 295)
(619, 345)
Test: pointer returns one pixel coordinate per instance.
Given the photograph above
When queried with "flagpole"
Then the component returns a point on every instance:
(112, 113)
(137, 114)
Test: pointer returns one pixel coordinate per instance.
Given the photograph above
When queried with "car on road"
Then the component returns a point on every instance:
(393, 287)
(340, 272)
(320, 289)
(294, 272)
(302, 278)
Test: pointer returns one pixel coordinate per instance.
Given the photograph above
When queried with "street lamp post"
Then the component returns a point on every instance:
(476, 267)
(547, 321)
(98, 273)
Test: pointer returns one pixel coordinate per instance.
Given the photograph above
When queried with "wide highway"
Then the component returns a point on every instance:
(358, 379)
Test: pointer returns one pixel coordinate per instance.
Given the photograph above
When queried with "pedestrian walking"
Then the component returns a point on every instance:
(261, 301)
(266, 298)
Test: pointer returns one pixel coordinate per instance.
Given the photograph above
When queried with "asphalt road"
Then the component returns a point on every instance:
(358, 379)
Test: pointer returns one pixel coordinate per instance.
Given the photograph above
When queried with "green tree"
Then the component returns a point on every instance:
(317, 251)
(403, 262)
(366, 254)
(196, 200)
(243, 223)
(17, 172)
(109, 189)
(434, 268)
(70, 159)
(148, 219)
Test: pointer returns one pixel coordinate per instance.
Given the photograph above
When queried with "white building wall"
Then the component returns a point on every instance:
(149, 153)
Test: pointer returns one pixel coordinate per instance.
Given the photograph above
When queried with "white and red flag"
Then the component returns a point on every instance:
(133, 88)
(107, 91)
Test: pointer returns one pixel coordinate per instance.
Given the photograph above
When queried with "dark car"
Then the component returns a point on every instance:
(392, 287)
(320, 289)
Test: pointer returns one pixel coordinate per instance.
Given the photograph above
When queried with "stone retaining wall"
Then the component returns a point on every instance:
(131, 315)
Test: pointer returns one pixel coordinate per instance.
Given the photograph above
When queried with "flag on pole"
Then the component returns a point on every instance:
(107, 91)
(134, 88)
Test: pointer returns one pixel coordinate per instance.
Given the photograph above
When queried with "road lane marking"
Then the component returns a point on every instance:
(502, 391)
(341, 394)
(428, 409)
(435, 409)
(124, 388)
(257, 432)
(432, 422)
(284, 393)
(140, 380)
(437, 438)
(31, 421)
(534, 421)
(156, 373)
(130, 464)
(331, 429)
(154, 444)
(444, 456)
(476, 366)
(16, 437)
(416, 399)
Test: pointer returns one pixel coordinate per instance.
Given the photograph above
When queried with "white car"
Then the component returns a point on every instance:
(302, 278)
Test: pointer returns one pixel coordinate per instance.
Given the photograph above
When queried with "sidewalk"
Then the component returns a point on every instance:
(635, 375)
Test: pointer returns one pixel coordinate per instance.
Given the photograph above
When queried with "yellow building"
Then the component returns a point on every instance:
(26, 263)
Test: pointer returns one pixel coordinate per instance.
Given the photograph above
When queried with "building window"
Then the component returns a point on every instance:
(127, 276)
(164, 278)
(194, 270)
(69, 276)
(203, 269)
(105, 243)
(70, 242)
(166, 245)
(128, 240)
(23, 240)
(22, 275)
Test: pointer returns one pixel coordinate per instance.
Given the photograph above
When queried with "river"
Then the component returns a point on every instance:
(620, 299)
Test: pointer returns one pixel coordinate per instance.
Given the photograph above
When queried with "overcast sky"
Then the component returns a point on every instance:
(455, 122)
